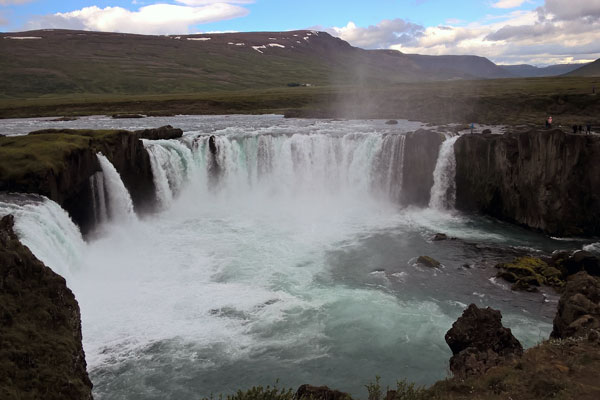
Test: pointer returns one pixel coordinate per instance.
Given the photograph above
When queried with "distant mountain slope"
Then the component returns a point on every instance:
(459, 66)
(56, 62)
(591, 69)
(530, 71)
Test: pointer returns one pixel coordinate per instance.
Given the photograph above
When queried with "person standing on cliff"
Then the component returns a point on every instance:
(588, 128)
(549, 122)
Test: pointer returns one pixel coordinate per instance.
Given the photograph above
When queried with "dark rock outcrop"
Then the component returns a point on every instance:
(421, 150)
(528, 273)
(428, 262)
(64, 119)
(546, 180)
(308, 392)
(391, 122)
(479, 342)
(41, 355)
(572, 263)
(128, 116)
(69, 160)
(578, 307)
(164, 132)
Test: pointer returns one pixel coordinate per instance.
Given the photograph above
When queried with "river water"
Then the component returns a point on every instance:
(285, 256)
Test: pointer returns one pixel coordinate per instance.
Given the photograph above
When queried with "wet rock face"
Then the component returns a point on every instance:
(546, 180)
(41, 355)
(308, 392)
(421, 150)
(479, 342)
(578, 307)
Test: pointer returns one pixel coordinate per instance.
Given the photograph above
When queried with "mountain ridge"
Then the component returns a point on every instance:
(54, 62)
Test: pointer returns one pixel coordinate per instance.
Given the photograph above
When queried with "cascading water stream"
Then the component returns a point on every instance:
(172, 165)
(120, 205)
(44, 227)
(295, 164)
(99, 198)
(443, 191)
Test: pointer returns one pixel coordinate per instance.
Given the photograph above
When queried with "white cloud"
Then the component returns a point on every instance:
(385, 34)
(153, 19)
(572, 9)
(559, 31)
(508, 3)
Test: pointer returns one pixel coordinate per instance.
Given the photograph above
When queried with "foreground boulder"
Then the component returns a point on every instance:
(578, 307)
(572, 263)
(41, 355)
(479, 342)
(308, 392)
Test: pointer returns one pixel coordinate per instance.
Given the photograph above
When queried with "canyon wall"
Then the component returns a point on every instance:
(41, 355)
(543, 179)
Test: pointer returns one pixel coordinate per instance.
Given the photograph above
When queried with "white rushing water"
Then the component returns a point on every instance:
(99, 198)
(172, 166)
(283, 255)
(120, 205)
(443, 191)
(44, 227)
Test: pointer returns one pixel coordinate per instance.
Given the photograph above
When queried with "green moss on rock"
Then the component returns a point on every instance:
(527, 273)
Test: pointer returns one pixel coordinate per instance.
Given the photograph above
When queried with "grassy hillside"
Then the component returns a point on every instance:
(53, 62)
(62, 62)
(530, 71)
(592, 69)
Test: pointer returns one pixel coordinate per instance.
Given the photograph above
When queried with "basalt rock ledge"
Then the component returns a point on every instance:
(545, 180)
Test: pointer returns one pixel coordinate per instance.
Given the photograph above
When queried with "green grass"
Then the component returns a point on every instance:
(22, 157)
(501, 101)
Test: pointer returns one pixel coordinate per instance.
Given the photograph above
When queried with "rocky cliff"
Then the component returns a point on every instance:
(421, 150)
(59, 163)
(546, 180)
(41, 355)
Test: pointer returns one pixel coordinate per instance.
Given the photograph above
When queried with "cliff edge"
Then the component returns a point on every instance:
(546, 180)
(41, 355)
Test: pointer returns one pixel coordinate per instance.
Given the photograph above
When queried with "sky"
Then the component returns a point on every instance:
(538, 32)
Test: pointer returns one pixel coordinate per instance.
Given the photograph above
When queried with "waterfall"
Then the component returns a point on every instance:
(443, 191)
(389, 167)
(302, 163)
(46, 229)
(99, 198)
(172, 165)
(120, 205)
